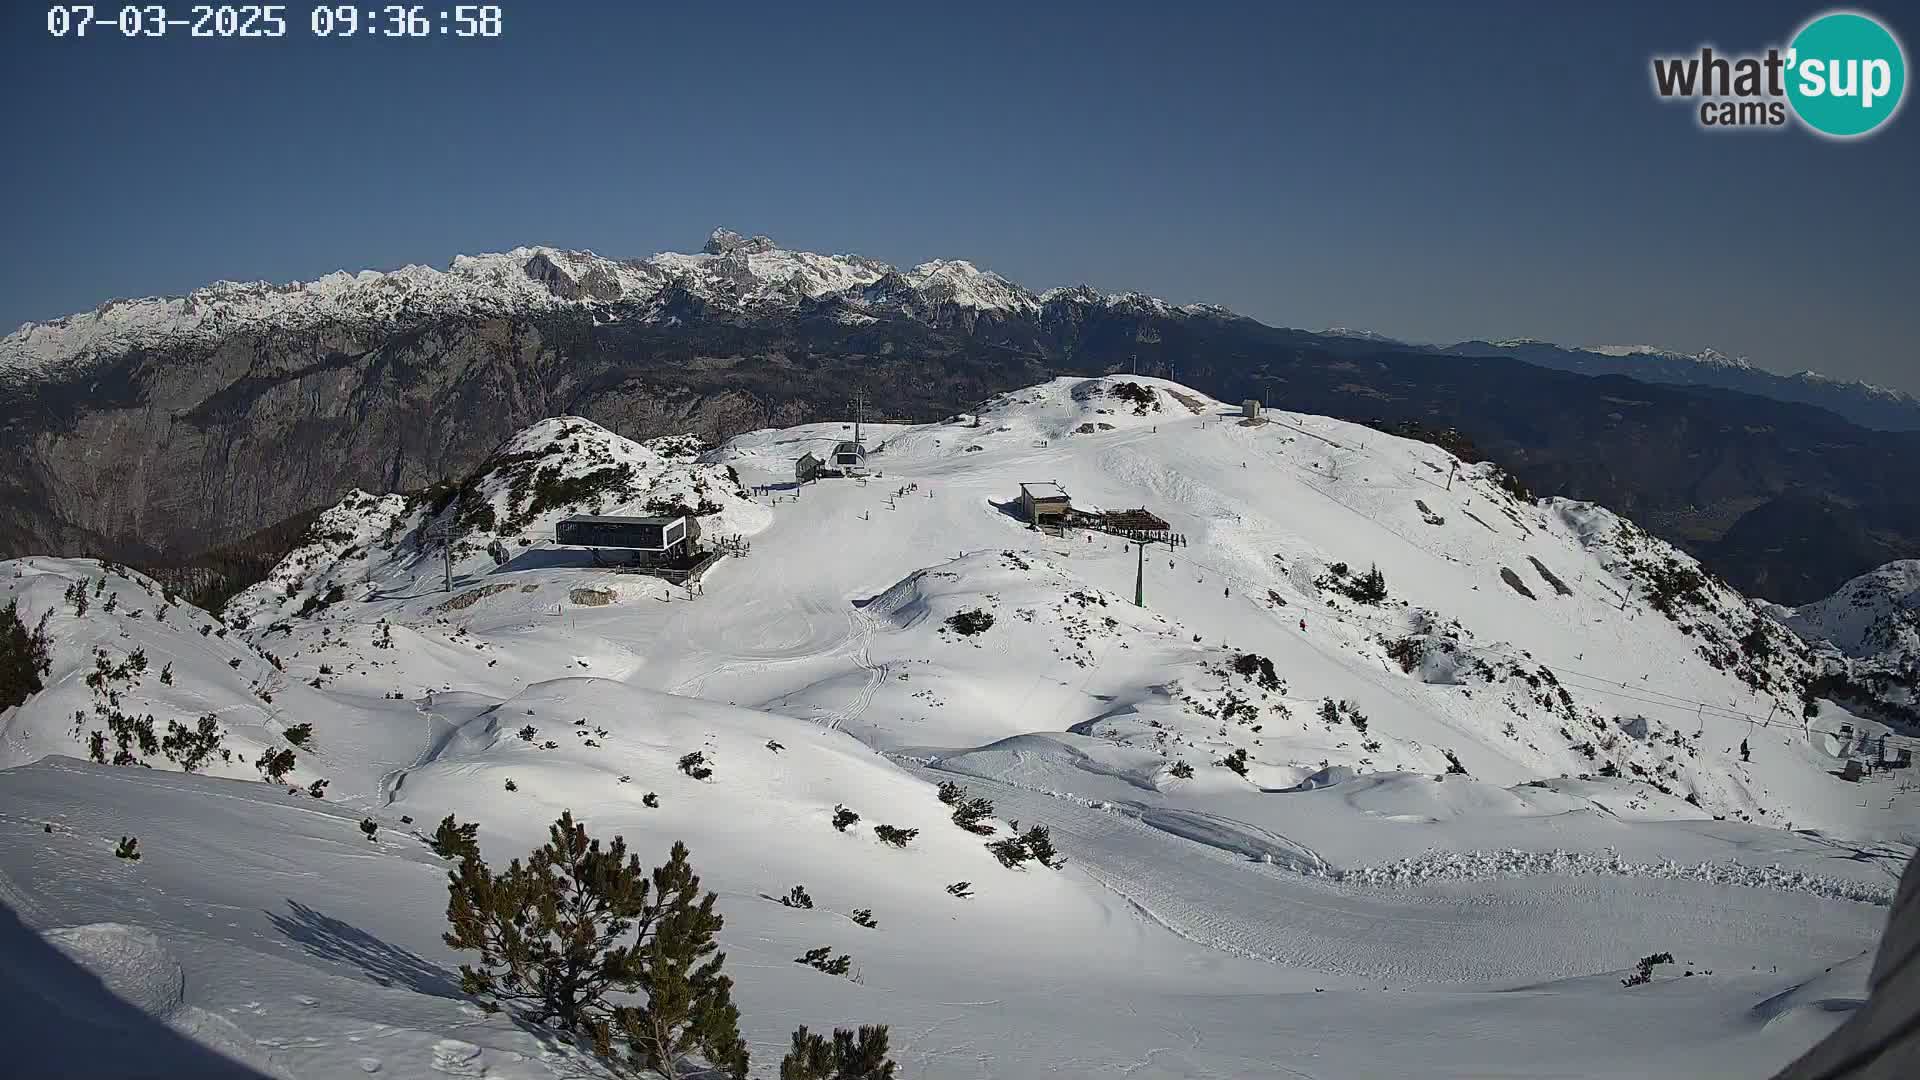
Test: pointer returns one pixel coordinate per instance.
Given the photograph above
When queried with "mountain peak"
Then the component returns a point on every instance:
(724, 241)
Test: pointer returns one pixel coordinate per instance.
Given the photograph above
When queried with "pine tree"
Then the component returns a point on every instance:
(689, 1009)
(129, 849)
(695, 765)
(1370, 587)
(453, 840)
(1010, 851)
(276, 765)
(1039, 843)
(369, 826)
(195, 746)
(577, 922)
(843, 817)
(23, 657)
(972, 814)
(897, 837)
(822, 959)
(847, 1057)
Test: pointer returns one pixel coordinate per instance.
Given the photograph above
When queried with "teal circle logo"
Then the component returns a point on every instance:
(1846, 74)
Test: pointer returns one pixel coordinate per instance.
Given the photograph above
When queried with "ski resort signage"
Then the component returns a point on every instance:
(1841, 76)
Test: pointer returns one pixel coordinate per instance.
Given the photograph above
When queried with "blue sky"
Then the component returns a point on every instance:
(1433, 171)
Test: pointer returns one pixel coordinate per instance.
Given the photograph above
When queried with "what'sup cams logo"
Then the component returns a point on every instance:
(1842, 76)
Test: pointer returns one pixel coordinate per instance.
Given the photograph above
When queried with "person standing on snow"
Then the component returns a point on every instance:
(1303, 625)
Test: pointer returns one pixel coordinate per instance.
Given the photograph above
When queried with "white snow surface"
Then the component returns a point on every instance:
(1347, 907)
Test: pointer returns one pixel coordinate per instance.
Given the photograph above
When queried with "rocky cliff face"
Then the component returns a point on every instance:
(185, 448)
(149, 429)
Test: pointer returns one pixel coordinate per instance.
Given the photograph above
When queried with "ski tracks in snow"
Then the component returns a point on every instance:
(1446, 917)
(862, 636)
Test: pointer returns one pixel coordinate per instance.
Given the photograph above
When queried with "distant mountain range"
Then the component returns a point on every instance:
(1863, 403)
(742, 274)
(155, 429)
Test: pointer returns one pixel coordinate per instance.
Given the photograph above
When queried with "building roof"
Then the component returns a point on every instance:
(848, 446)
(1140, 520)
(1044, 491)
(601, 519)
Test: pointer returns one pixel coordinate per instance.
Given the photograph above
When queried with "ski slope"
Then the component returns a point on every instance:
(1462, 813)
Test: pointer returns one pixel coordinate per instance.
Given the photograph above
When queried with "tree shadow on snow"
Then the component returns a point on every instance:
(389, 965)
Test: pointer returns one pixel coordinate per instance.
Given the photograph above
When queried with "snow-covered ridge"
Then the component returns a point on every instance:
(1874, 616)
(732, 272)
(1873, 389)
(368, 545)
(1361, 335)
(1709, 357)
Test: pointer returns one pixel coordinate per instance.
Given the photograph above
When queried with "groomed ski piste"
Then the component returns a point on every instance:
(1309, 829)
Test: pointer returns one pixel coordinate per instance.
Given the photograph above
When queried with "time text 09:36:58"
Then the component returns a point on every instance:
(272, 20)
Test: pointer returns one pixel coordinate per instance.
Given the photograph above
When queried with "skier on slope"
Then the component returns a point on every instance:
(1743, 751)
(1303, 625)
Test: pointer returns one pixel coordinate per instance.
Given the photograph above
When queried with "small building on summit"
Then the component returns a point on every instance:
(659, 537)
(1250, 408)
(1042, 502)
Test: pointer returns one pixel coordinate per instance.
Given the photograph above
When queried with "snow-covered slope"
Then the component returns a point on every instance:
(1874, 616)
(140, 678)
(1460, 798)
(368, 546)
(1868, 637)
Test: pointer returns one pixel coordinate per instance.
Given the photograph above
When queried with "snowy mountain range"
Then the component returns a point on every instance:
(733, 273)
(747, 275)
(164, 430)
(1389, 754)
(1863, 403)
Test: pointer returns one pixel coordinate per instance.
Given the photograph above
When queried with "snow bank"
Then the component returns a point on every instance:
(1480, 865)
